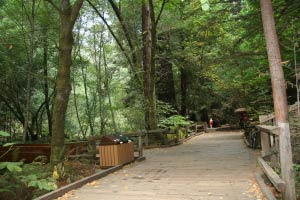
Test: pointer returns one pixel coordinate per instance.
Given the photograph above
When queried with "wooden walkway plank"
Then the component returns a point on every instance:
(211, 166)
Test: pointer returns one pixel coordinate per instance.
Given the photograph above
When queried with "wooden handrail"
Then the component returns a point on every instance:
(159, 131)
(271, 116)
(269, 129)
(146, 133)
(269, 145)
(278, 183)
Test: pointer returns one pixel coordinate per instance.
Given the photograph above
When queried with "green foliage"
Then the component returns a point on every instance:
(8, 144)
(174, 121)
(11, 166)
(181, 135)
(205, 5)
(297, 178)
(34, 181)
(12, 188)
(164, 109)
(4, 134)
(27, 177)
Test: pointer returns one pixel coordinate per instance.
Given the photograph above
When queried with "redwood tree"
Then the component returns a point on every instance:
(279, 98)
(149, 45)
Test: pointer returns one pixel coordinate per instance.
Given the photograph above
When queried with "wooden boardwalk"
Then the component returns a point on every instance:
(212, 166)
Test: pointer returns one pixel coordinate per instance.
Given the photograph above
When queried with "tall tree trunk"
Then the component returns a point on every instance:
(165, 89)
(83, 130)
(68, 15)
(149, 40)
(108, 92)
(29, 77)
(134, 55)
(98, 63)
(46, 85)
(183, 70)
(279, 98)
(183, 87)
(88, 109)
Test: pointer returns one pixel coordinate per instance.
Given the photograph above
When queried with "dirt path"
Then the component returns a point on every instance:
(212, 166)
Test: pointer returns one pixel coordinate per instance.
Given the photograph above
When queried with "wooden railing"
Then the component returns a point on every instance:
(29, 152)
(270, 118)
(269, 139)
(269, 152)
(270, 148)
(143, 136)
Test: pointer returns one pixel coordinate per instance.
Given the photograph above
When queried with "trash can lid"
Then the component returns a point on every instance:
(122, 138)
(109, 140)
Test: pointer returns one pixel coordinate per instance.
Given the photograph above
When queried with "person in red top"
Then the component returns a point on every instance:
(211, 122)
(245, 117)
(243, 120)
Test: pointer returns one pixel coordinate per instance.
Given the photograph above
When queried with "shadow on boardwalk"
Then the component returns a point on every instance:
(212, 166)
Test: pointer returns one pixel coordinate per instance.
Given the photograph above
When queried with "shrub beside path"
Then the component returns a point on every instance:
(211, 166)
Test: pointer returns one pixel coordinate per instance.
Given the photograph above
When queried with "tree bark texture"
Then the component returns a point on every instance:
(29, 76)
(165, 89)
(107, 87)
(183, 87)
(149, 38)
(83, 129)
(46, 85)
(100, 90)
(88, 106)
(279, 98)
(68, 15)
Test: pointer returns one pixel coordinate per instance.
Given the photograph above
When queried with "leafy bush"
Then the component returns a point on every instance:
(164, 109)
(34, 181)
(12, 188)
(18, 181)
(4, 134)
(11, 166)
(174, 121)
(297, 178)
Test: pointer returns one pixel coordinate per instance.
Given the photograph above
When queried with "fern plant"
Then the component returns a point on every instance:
(174, 121)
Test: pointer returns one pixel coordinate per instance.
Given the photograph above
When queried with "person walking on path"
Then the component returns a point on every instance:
(211, 122)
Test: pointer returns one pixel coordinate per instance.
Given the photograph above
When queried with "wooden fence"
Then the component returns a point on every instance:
(28, 152)
(269, 150)
(143, 136)
(270, 118)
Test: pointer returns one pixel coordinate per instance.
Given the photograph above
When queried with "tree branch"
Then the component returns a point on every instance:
(121, 20)
(111, 32)
(18, 115)
(75, 10)
(160, 12)
(54, 5)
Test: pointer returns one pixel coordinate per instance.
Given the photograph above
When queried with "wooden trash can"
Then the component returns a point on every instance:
(115, 154)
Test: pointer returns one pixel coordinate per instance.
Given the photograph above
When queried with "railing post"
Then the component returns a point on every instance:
(265, 143)
(186, 129)
(176, 133)
(146, 139)
(140, 145)
(205, 127)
